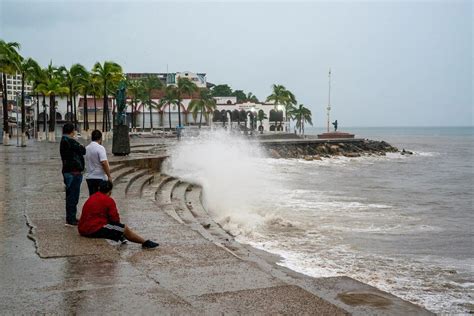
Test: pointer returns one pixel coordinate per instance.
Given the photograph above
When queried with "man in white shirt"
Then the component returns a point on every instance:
(97, 165)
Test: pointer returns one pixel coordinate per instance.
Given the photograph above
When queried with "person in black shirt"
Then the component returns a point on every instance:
(72, 156)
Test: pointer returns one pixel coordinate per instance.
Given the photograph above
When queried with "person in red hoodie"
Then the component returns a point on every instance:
(100, 219)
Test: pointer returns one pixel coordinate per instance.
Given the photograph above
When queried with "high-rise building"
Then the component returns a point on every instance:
(14, 86)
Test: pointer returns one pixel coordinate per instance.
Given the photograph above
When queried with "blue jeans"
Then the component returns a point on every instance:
(73, 189)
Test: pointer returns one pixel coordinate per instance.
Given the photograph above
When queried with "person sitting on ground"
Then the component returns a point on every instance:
(100, 219)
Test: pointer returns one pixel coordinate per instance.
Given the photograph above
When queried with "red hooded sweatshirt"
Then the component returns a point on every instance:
(98, 211)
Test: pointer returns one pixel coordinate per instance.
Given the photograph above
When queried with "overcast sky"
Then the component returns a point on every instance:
(394, 63)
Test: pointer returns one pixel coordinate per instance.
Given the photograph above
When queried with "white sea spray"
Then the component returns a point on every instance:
(233, 173)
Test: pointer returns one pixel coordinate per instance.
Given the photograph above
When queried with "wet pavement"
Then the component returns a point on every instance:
(46, 267)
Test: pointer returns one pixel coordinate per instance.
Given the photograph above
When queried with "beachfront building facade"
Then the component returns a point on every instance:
(230, 112)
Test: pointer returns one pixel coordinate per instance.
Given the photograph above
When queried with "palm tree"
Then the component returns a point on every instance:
(95, 88)
(27, 67)
(150, 83)
(206, 103)
(41, 77)
(170, 98)
(37, 77)
(8, 65)
(184, 87)
(134, 91)
(251, 98)
(108, 72)
(284, 97)
(84, 87)
(72, 78)
(301, 114)
(52, 87)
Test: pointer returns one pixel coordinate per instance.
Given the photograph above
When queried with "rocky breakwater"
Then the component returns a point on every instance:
(317, 150)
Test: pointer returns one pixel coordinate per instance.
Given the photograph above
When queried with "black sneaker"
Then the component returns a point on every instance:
(149, 244)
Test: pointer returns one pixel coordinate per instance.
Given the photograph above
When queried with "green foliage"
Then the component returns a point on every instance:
(169, 98)
(149, 84)
(205, 104)
(281, 96)
(251, 98)
(184, 87)
(241, 96)
(221, 90)
(302, 115)
(9, 57)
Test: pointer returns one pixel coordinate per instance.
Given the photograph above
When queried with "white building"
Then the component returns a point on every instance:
(233, 113)
(14, 86)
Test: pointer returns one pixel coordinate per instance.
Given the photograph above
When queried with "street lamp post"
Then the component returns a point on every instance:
(329, 98)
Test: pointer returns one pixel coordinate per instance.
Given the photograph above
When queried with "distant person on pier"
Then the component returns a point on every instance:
(97, 165)
(72, 156)
(100, 219)
(335, 125)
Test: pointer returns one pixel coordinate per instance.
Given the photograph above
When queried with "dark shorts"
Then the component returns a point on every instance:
(110, 231)
(93, 185)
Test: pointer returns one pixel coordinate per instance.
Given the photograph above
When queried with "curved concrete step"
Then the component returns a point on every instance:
(151, 191)
(121, 184)
(135, 182)
(164, 196)
(179, 202)
(146, 181)
(116, 167)
(120, 173)
(213, 231)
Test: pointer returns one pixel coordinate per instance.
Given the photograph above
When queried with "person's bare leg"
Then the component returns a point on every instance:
(132, 236)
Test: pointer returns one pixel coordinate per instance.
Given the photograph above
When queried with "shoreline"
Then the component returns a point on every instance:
(194, 271)
(272, 263)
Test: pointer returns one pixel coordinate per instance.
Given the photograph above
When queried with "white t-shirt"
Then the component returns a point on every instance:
(95, 154)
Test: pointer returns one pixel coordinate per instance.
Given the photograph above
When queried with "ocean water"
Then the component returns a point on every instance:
(401, 223)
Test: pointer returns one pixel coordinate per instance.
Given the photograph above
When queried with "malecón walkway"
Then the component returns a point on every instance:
(46, 267)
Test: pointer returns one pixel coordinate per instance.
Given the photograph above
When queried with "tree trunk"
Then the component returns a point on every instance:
(104, 109)
(143, 117)
(52, 113)
(69, 110)
(200, 120)
(44, 114)
(179, 113)
(151, 118)
(75, 111)
(23, 110)
(37, 113)
(133, 113)
(95, 112)
(5, 104)
(86, 113)
(169, 113)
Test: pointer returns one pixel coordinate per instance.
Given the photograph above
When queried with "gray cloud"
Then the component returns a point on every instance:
(394, 62)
